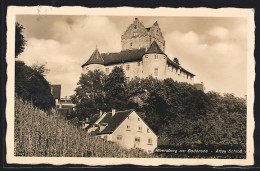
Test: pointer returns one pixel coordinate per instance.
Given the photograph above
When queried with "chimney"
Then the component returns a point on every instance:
(100, 113)
(113, 112)
(65, 98)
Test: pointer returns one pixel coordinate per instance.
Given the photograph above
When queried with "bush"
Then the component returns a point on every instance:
(30, 85)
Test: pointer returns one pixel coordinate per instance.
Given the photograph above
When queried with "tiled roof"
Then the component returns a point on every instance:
(95, 58)
(113, 121)
(123, 56)
(154, 48)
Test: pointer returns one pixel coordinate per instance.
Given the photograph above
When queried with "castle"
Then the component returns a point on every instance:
(142, 55)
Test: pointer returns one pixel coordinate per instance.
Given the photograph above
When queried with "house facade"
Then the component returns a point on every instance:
(142, 55)
(126, 128)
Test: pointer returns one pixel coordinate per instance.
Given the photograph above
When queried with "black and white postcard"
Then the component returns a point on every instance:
(112, 86)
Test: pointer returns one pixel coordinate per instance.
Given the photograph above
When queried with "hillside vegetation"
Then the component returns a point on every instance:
(50, 135)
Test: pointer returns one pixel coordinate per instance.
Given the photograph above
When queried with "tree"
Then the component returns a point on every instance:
(30, 85)
(89, 95)
(20, 42)
(115, 88)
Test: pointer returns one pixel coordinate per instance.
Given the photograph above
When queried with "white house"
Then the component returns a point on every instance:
(126, 128)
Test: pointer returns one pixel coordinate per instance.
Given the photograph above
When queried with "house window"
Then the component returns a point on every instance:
(150, 141)
(156, 72)
(128, 127)
(127, 67)
(135, 26)
(127, 79)
(131, 44)
(137, 139)
(119, 137)
(148, 130)
(138, 119)
(121, 66)
(138, 63)
(139, 129)
(156, 57)
(107, 70)
(105, 137)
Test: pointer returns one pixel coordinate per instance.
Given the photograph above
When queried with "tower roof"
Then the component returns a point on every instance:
(154, 48)
(95, 58)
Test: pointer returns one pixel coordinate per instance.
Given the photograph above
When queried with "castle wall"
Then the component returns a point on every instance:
(135, 43)
(153, 62)
(177, 75)
(92, 67)
(131, 69)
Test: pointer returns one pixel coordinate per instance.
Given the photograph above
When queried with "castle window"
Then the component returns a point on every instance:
(127, 67)
(107, 70)
(119, 137)
(131, 44)
(156, 72)
(137, 139)
(135, 26)
(157, 30)
(150, 141)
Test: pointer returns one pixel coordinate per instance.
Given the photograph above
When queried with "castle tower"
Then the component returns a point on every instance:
(137, 36)
(153, 60)
(95, 62)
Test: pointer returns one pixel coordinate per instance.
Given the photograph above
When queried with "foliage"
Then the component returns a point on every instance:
(177, 112)
(89, 96)
(115, 88)
(20, 42)
(32, 86)
(40, 135)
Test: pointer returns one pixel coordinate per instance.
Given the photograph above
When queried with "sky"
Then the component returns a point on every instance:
(212, 48)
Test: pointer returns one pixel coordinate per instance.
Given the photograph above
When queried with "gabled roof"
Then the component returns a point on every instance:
(114, 121)
(95, 58)
(154, 48)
